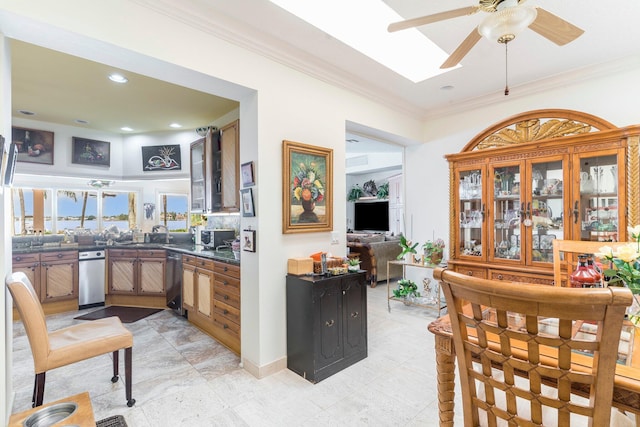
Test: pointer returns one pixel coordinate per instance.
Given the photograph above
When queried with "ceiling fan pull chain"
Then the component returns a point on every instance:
(506, 70)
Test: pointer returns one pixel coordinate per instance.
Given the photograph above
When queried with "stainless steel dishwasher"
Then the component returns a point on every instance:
(91, 275)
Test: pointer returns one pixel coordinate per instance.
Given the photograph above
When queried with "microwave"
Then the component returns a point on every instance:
(215, 238)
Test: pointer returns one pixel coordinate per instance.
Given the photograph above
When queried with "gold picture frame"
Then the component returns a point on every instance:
(307, 191)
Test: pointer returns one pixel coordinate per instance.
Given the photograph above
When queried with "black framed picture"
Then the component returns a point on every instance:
(246, 198)
(249, 240)
(90, 152)
(161, 158)
(246, 171)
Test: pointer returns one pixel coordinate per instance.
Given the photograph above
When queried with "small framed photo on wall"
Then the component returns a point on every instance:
(249, 240)
(246, 170)
(246, 199)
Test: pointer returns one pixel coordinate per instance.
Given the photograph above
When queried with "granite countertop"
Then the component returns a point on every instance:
(186, 248)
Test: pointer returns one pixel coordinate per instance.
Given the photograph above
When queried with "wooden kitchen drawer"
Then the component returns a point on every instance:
(26, 258)
(227, 269)
(227, 283)
(198, 261)
(125, 253)
(229, 327)
(511, 276)
(227, 297)
(152, 253)
(59, 256)
(227, 311)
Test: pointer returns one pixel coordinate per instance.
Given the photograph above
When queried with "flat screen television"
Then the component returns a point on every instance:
(371, 216)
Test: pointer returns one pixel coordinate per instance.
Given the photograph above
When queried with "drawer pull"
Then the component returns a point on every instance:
(355, 314)
(226, 268)
(224, 282)
(60, 255)
(500, 277)
(226, 326)
(329, 323)
(225, 311)
(469, 273)
(202, 263)
(226, 297)
(18, 258)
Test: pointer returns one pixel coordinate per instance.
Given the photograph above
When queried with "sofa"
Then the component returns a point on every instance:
(374, 251)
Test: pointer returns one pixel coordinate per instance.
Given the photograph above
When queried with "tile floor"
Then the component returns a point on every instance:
(182, 377)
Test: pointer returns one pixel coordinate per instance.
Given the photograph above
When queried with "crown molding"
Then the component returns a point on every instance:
(249, 38)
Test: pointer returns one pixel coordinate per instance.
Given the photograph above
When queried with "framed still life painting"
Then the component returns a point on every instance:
(307, 204)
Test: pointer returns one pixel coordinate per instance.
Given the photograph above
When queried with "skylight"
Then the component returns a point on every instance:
(362, 24)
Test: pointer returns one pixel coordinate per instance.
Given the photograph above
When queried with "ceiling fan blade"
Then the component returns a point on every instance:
(462, 50)
(555, 28)
(416, 22)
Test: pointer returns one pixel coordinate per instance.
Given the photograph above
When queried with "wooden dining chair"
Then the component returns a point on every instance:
(68, 345)
(576, 247)
(516, 371)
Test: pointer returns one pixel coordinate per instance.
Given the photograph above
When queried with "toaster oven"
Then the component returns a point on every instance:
(215, 238)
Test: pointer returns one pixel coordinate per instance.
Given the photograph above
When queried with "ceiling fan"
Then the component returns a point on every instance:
(506, 19)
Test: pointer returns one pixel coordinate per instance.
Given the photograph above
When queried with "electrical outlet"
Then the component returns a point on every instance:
(334, 238)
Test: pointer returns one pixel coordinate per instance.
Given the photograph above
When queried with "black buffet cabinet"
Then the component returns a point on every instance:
(326, 323)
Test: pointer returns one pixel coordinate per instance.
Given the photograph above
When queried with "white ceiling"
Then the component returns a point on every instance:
(611, 41)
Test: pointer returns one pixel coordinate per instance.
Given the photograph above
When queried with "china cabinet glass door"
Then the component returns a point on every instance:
(506, 212)
(544, 213)
(596, 211)
(471, 210)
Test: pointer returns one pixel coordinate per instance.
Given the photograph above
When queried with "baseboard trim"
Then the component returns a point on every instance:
(265, 370)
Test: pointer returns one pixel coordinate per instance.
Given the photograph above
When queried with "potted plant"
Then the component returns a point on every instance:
(407, 289)
(355, 193)
(354, 264)
(433, 251)
(407, 247)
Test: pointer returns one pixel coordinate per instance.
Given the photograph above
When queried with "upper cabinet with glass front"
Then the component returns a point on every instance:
(536, 177)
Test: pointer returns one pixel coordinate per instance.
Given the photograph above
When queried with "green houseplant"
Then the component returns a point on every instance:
(407, 289)
(407, 247)
(433, 251)
(355, 193)
(354, 264)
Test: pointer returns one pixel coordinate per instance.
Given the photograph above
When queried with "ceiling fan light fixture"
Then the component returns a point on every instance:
(504, 25)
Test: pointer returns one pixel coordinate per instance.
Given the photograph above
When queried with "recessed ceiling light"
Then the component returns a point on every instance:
(126, 129)
(81, 122)
(118, 78)
(175, 125)
(27, 112)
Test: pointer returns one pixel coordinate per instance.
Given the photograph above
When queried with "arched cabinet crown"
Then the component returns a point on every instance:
(535, 177)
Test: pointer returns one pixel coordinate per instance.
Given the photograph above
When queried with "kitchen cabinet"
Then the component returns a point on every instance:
(535, 178)
(229, 168)
(215, 175)
(211, 298)
(326, 324)
(139, 272)
(54, 276)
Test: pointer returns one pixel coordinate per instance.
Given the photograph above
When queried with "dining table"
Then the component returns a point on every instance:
(626, 393)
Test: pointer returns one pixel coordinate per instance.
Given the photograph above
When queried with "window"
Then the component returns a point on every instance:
(119, 209)
(31, 211)
(77, 209)
(174, 212)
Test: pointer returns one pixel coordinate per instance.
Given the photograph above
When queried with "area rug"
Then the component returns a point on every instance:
(126, 314)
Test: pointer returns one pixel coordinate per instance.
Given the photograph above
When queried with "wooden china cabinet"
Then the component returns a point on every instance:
(535, 177)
